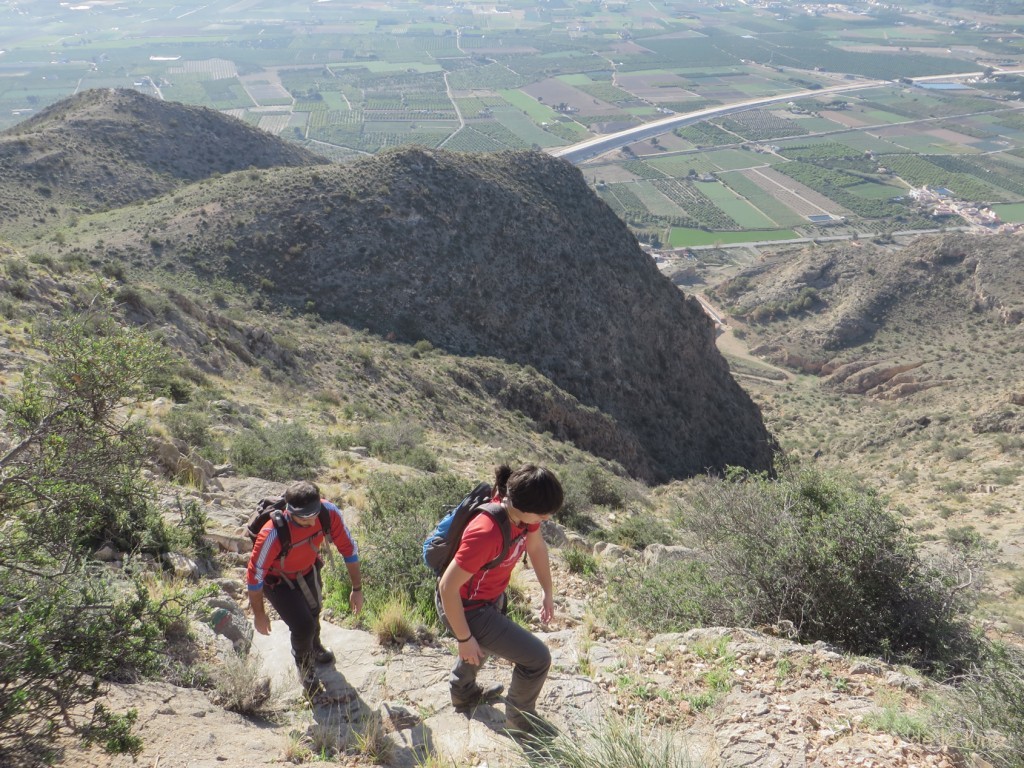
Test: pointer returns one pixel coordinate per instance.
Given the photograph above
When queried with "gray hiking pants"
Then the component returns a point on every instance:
(498, 635)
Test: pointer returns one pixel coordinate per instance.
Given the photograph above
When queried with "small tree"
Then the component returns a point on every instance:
(69, 480)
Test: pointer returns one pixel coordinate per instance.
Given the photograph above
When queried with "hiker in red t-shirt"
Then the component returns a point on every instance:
(472, 599)
(293, 586)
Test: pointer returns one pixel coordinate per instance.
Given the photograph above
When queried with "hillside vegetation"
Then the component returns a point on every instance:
(906, 369)
(102, 149)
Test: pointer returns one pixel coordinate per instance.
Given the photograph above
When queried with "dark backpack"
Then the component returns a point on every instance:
(273, 510)
(443, 542)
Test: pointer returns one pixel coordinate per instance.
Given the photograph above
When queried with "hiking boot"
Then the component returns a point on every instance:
(477, 695)
(322, 655)
(307, 675)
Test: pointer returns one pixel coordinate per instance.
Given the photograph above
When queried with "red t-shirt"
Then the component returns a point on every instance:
(481, 543)
(266, 553)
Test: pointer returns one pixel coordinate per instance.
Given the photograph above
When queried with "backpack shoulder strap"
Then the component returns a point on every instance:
(325, 520)
(284, 534)
(498, 514)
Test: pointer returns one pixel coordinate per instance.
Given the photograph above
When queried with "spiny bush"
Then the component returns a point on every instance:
(986, 715)
(816, 550)
(394, 622)
(612, 743)
(240, 686)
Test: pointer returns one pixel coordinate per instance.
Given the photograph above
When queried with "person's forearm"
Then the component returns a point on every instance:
(354, 575)
(542, 567)
(256, 602)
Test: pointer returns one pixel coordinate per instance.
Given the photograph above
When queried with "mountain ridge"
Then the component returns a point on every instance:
(508, 255)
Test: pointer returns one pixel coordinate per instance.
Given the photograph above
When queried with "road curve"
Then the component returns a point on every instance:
(584, 150)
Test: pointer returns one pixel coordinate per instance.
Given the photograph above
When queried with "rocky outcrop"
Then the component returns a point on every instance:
(881, 379)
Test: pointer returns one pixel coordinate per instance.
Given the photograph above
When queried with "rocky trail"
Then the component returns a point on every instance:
(728, 697)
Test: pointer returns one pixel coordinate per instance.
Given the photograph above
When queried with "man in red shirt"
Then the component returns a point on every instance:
(472, 599)
(292, 584)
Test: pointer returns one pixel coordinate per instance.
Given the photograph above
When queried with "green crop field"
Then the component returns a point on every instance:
(757, 197)
(736, 207)
(1010, 213)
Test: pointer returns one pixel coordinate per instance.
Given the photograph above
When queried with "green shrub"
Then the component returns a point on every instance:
(813, 549)
(639, 531)
(399, 515)
(398, 442)
(587, 487)
(580, 561)
(62, 634)
(191, 425)
(74, 482)
(671, 597)
(964, 537)
(907, 725)
(282, 452)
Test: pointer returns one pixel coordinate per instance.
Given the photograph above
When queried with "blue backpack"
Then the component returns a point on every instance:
(443, 542)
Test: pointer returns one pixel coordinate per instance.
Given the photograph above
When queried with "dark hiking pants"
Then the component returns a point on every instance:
(498, 635)
(303, 621)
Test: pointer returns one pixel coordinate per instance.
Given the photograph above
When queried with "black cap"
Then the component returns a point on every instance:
(309, 509)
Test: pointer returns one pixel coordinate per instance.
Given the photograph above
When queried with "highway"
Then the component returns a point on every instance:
(584, 150)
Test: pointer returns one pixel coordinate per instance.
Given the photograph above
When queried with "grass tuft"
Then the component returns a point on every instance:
(613, 743)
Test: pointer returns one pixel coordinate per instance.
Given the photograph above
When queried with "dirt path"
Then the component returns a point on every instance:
(731, 346)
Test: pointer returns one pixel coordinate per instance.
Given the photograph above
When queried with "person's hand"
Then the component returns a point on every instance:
(355, 601)
(547, 609)
(262, 623)
(469, 651)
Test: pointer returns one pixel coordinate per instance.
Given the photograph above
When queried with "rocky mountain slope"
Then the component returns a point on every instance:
(102, 149)
(819, 307)
(509, 256)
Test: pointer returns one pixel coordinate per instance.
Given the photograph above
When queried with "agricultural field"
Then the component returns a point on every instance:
(848, 128)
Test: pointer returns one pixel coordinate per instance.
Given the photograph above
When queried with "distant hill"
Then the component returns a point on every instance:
(509, 256)
(102, 149)
(826, 308)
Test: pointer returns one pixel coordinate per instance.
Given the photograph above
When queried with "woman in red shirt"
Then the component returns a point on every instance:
(472, 599)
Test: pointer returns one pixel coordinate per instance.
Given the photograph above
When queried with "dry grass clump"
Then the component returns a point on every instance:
(240, 687)
(395, 622)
